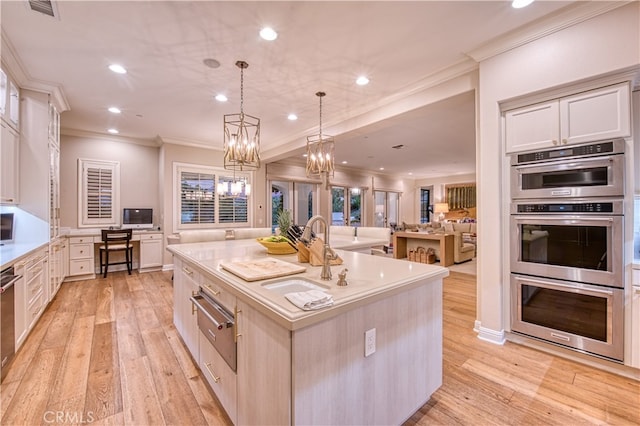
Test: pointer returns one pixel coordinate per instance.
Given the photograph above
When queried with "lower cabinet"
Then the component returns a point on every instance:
(81, 257)
(220, 376)
(31, 293)
(185, 285)
(150, 251)
(57, 261)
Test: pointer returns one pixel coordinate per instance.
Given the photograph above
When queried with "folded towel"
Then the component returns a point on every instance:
(308, 300)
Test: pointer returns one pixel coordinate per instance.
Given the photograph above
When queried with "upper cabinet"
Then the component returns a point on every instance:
(9, 100)
(9, 155)
(589, 116)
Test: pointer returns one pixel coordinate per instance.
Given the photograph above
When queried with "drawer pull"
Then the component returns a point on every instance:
(215, 293)
(216, 379)
(187, 271)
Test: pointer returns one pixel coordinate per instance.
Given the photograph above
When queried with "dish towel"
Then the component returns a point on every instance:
(309, 300)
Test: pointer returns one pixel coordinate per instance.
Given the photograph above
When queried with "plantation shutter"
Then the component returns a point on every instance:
(197, 198)
(99, 200)
(233, 209)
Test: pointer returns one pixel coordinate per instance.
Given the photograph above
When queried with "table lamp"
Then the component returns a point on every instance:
(441, 208)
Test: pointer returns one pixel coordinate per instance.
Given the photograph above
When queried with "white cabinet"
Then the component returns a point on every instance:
(56, 265)
(589, 116)
(9, 100)
(30, 296)
(81, 258)
(221, 377)
(185, 285)
(9, 158)
(150, 251)
(635, 319)
(54, 190)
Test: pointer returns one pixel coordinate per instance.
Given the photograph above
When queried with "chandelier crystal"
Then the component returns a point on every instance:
(241, 135)
(320, 152)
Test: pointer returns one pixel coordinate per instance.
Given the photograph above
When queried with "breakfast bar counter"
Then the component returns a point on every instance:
(374, 356)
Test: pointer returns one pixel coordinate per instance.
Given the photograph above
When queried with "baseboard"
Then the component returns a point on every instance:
(168, 267)
(489, 335)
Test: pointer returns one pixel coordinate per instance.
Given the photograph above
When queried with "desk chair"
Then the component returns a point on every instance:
(116, 240)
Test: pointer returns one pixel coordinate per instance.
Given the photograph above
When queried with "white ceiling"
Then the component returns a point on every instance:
(167, 94)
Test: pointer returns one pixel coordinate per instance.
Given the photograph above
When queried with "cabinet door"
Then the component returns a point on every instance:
(150, 251)
(597, 114)
(635, 325)
(532, 127)
(264, 369)
(220, 376)
(54, 191)
(185, 285)
(9, 165)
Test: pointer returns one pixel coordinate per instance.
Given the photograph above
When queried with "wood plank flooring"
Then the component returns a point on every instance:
(106, 352)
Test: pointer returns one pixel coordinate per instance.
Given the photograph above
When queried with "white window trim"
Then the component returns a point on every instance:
(83, 220)
(217, 171)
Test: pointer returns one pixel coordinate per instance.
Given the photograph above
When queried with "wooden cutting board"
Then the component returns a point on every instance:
(262, 269)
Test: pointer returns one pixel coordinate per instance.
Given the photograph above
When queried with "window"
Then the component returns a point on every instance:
(425, 205)
(99, 193)
(461, 196)
(346, 204)
(295, 196)
(208, 197)
(387, 205)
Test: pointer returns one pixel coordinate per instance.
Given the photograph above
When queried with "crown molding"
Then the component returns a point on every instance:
(564, 18)
(155, 142)
(13, 64)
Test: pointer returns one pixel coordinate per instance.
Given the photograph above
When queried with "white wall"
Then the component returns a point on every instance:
(138, 173)
(601, 45)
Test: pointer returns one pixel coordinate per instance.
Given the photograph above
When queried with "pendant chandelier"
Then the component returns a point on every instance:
(320, 152)
(241, 135)
(234, 188)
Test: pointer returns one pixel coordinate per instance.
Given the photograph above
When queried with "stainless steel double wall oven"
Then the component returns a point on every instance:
(567, 242)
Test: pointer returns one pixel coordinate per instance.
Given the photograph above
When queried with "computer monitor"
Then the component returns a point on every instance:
(137, 218)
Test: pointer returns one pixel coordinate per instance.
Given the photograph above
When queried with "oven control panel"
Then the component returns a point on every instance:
(601, 148)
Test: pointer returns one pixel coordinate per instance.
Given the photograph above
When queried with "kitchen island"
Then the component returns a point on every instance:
(309, 367)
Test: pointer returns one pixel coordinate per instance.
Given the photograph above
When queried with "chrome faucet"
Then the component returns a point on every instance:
(327, 252)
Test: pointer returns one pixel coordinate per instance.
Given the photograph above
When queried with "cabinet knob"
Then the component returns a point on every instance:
(564, 141)
(555, 142)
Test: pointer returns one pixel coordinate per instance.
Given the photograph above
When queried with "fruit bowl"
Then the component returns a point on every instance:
(277, 245)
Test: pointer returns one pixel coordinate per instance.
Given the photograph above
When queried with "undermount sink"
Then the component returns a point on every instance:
(290, 285)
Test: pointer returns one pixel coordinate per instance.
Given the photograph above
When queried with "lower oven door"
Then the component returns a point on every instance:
(580, 316)
(586, 249)
(217, 325)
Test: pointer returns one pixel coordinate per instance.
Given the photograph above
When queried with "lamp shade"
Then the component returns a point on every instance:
(441, 208)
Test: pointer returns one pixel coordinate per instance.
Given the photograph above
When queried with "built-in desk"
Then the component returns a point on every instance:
(83, 246)
(403, 239)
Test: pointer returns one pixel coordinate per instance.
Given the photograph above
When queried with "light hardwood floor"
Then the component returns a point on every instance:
(106, 352)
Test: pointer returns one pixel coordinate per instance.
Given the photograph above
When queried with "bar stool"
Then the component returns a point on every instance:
(115, 240)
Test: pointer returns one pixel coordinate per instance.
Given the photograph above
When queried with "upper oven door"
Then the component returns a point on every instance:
(576, 248)
(584, 177)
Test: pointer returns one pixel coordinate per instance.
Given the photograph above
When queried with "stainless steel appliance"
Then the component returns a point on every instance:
(579, 240)
(7, 320)
(218, 326)
(584, 317)
(591, 170)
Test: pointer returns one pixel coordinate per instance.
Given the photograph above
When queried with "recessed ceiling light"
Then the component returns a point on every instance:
(268, 33)
(344, 161)
(113, 131)
(519, 4)
(119, 69)
(362, 81)
(381, 168)
(115, 110)
(292, 117)
(211, 63)
(221, 98)
(304, 155)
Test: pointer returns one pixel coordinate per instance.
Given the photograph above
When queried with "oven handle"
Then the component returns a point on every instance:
(220, 324)
(574, 289)
(562, 165)
(555, 218)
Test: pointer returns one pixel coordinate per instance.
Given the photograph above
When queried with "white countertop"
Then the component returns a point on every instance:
(11, 253)
(369, 278)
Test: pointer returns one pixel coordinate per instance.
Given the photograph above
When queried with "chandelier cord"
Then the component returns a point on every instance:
(241, 88)
(320, 118)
